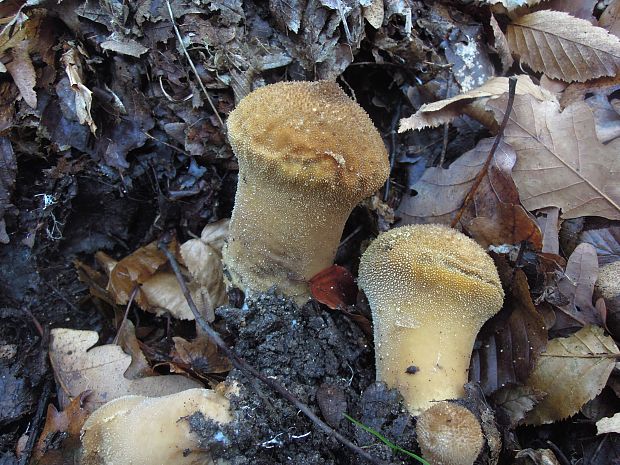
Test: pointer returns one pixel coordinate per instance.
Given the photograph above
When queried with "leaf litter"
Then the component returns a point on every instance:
(109, 139)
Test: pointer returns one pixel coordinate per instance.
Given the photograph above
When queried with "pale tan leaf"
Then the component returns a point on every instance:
(443, 111)
(101, 369)
(163, 295)
(374, 13)
(203, 258)
(23, 73)
(83, 95)
(501, 45)
(560, 161)
(610, 19)
(124, 45)
(608, 425)
(572, 371)
(512, 4)
(564, 47)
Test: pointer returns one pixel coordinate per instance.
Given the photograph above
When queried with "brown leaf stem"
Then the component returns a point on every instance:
(250, 371)
(512, 87)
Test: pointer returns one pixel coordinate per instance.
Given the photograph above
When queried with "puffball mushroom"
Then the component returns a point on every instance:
(430, 288)
(140, 430)
(449, 434)
(307, 155)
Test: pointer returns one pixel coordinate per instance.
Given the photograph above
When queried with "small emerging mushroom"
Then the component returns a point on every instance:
(307, 155)
(431, 288)
(449, 434)
(140, 430)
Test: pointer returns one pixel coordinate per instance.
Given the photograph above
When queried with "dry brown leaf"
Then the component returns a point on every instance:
(606, 241)
(577, 91)
(101, 369)
(560, 161)
(201, 355)
(564, 47)
(203, 258)
(66, 425)
(501, 45)
(610, 19)
(572, 371)
(509, 344)
(608, 425)
(513, 4)
(124, 45)
(23, 73)
(583, 9)
(577, 286)
(83, 95)
(536, 457)
(495, 216)
(549, 222)
(513, 402)
(443, 111)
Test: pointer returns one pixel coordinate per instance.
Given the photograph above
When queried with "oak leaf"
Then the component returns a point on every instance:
(560, 161)
(572, 371)
(101, 369)
(564, 47)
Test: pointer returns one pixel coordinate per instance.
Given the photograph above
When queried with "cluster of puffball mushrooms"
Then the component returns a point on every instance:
(308, 154)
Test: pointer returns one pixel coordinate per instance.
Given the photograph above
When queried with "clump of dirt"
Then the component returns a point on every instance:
(327, 362)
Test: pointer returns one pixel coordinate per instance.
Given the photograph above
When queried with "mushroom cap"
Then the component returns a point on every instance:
(421, 273)
(449, 434)
(141, 430)
(310, 134)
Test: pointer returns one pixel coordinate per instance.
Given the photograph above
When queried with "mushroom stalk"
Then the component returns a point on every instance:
(431, 289)
(281, 241)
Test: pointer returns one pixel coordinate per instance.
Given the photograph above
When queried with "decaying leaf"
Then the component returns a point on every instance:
(536, 457)
(374, 13)
(101, 369)
(560, 161)
(610, 19)
(606, 241)
(549, 221)
(334, 287)
(201, 355)
(443, 111)
(577, 286)
(513, 402)
(513, 4)
(509, 344)
(501, 45)
(495, 216)
(572, 371)
(203, 258)
(608, 425)
(83, 95)
(23, 73)
(66, 425)
(583, 9)
(564, 47)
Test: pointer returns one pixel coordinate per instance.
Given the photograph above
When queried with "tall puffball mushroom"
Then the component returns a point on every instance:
(307, 155)
(431, 288)
(140, 430)
(449, 434)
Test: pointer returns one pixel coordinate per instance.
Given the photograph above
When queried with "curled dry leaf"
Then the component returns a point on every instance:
(495, 215)
(334, 286)
(606, 241)
(564, 47)
(66, 424)
(577, 286)
(83, 95)
(536, 457)
(509, 344)
(501, 45)
(203, 258)
(560, 161)
(443, 111)
(201, 355)
(101, 369)
(572, 371)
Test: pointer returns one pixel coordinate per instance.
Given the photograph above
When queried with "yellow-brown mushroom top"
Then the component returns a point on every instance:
(310, 134)
(449, 434)
(422, 273)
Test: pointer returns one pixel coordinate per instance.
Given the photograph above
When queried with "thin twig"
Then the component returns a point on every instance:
(512, 86)
(191, 64)
(393, 131)
(36, 422)
(132, 296)
(446, 126)
(248, 369)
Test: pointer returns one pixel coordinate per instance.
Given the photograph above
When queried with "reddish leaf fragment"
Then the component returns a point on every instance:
(334, 286)
(332, 402)
(201, 355)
